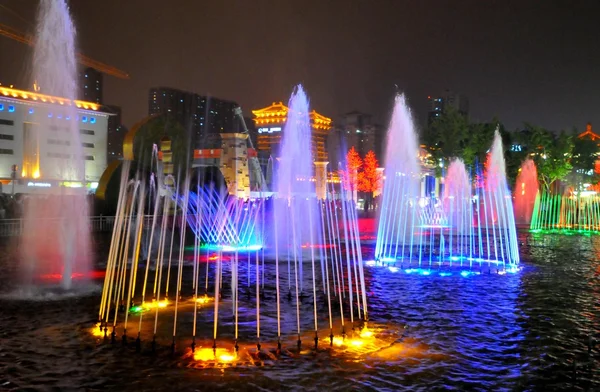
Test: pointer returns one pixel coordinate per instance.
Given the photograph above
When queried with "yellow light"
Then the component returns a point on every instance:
(153, 305)
(356, 342)
(96, 331)
(203, 300)
(36, 173)
(365, 333)
(209, 354)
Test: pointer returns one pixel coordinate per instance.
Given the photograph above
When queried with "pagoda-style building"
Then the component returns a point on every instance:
(270, 122)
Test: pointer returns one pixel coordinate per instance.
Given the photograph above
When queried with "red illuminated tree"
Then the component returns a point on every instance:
(370, 178)
(351, 174)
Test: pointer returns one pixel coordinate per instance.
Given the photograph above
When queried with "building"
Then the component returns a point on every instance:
(205, 117)
(116, 134)
(438, 104)
(37, 146)
(270, 122)
(90, 85)
(355, 129)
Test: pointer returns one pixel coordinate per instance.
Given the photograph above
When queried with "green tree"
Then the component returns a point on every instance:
(152, 132)
(445, 137)
(584, 156)
(551, 154)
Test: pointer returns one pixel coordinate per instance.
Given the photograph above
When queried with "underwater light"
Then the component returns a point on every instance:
(371, 263)
(356, 342)
(445, 274)
(393, 269)
(365, 333)
(210, 354)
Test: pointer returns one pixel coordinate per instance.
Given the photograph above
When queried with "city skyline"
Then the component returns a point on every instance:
(513, 60)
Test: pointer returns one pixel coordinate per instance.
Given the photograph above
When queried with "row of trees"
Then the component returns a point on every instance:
(361, 174)
(558, 156)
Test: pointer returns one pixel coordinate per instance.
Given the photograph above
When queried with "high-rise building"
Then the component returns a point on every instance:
(438, 104)
(354, 129)
(116, 134)
(205, 117)
(90, 85)
(270, 122)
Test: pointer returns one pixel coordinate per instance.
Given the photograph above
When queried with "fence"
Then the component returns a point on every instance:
(98, 224)
(14, 227)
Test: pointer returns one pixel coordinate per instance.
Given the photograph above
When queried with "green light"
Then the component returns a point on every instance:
(136, 309)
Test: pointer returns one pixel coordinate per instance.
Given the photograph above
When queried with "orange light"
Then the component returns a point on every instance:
(209, 354)
(43, 97)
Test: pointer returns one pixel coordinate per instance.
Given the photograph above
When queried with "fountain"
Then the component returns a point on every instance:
(570, 212)
(525, 192)
(468, 226)
(55, 236)
(255, 251)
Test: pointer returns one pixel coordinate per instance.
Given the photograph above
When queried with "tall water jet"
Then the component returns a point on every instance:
(467, 226)
(56, 234)
(295, 190)
(525, 192)
(402, 185)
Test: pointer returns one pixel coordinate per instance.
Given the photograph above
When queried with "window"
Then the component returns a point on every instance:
(6, 122)
(87, 145)
(11, 108)
(6, 151)
(6, 137)
(87, 132)
(84, 118)
(92, 120)
(1, 107)
(89, 157)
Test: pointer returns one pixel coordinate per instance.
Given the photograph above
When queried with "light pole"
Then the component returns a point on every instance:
(13, 175)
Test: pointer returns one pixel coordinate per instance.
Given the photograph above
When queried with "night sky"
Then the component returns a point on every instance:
(534, 61)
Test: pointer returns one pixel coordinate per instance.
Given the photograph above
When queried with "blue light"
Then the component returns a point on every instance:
(49, 115)
(1, 107)
(84, 118)
(393, 269)
(445, 274)
(59, 116)
(31, 111)
(68, 118)
(425, 272)
(11, 108)
(93, 120)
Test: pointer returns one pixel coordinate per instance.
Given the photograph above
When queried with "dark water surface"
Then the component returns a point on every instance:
(534, 330)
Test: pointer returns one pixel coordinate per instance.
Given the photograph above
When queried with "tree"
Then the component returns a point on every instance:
(584, 157)
(551, 154)
(152, 132)
(371, 178)
(350, 175)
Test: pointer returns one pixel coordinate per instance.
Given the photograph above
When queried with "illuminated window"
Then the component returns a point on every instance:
(92, 120)
(31, 111)
(84, 118)
(1, 107)
(11, 108)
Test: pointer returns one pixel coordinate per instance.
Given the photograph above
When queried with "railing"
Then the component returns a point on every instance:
(98, 224)
(14, 227)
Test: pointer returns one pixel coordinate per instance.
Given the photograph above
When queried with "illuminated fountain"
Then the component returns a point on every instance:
(297, 252)
(470, 226)
(569, 213)
(525, 192)
(55, 233)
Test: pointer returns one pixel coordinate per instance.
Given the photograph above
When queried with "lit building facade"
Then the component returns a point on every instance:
(35, 139)
(270, 122)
